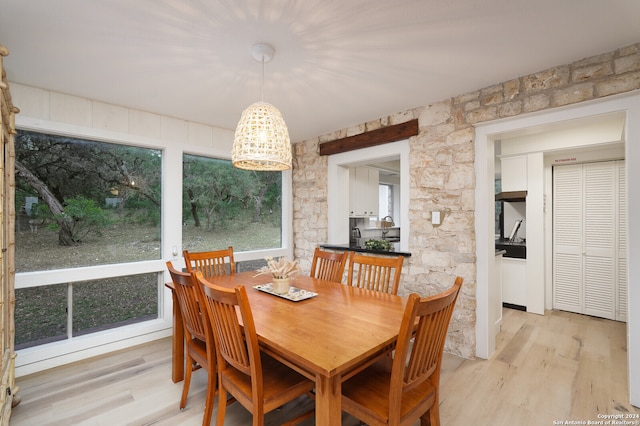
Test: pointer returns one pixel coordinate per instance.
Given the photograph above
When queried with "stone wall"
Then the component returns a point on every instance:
(443, 177)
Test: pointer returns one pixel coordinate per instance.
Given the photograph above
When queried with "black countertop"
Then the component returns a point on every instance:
(513, 249)
(363, 250)
(508, 242)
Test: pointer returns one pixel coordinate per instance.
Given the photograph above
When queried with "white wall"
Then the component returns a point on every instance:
(584, 132)
(513, 211)
(632, 162)
(535, 237)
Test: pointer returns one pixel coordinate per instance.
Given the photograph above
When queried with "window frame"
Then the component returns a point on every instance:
(38, 358)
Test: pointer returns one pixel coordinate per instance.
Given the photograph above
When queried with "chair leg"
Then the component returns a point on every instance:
(211, 393)
(187, 382)
(431, 417)
(222, 403)
(434, 416)
(258, 415)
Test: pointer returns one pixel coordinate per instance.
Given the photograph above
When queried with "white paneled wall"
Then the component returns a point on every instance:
(39, 107)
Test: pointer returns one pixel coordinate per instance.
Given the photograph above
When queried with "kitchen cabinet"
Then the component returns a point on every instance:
(495, 297)
(514, 173)
(363, 192)
(514, 281)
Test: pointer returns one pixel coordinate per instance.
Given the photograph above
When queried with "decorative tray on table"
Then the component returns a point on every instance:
(295, 294)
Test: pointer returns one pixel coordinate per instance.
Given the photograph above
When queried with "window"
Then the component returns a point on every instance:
(40, 315)
(224, 206)
(91, 235)
(385, 200)
(82, 203)
(43, 314)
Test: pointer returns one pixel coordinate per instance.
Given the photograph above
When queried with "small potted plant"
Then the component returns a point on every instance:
(281, 270)
(377, 245)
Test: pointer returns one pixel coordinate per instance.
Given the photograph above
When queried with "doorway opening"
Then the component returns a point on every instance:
(547, 151)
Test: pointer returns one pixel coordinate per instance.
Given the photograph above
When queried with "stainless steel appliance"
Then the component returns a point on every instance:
(356, 236)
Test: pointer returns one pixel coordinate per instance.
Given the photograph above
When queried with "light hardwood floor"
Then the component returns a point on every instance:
(557, 367)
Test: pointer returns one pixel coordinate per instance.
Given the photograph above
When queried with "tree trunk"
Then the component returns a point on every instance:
(258, 206)
(194, 209)
(65, 235)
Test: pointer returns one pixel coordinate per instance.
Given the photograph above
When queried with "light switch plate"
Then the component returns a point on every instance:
(435, 218)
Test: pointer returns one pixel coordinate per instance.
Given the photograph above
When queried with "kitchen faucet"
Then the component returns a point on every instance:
(386, 223)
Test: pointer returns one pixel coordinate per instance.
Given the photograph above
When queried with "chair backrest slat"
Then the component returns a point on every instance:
(327, 265)
(237, 344)
(186, 289)
(211, 263)
(427, 321)
(379, 273)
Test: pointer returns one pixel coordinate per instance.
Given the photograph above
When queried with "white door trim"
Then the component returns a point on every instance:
(486, 134)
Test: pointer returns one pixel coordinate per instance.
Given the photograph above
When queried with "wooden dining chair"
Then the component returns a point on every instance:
(380, 273)
(410, 389)
(211, 263)
(256, 380)
(328, 265)
(199, 342)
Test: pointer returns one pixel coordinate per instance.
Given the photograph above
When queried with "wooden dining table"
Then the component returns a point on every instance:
(327, 337)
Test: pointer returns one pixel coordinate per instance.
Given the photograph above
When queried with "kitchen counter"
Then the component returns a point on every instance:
(346, 247)
(514, 249)
(507, 242)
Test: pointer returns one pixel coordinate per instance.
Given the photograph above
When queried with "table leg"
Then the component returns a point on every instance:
(328, 404)
(177, 343)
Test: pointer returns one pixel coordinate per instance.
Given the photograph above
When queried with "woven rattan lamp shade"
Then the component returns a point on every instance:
(262, 140)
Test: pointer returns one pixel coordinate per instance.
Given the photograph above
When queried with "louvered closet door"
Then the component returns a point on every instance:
(600, 235)
(621, 312)
(589, 267)
(567, 238)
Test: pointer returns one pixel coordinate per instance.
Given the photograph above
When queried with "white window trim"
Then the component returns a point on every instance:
(42, 357)
(338, 179)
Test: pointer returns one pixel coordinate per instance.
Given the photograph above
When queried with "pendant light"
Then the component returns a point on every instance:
(261, 140)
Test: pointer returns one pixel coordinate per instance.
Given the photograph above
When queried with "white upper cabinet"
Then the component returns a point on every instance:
(363, 192)
(514, 173)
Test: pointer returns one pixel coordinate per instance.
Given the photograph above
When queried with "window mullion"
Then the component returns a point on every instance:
(69, 310)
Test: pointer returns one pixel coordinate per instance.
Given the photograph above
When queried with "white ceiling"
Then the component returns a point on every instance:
(337, 63)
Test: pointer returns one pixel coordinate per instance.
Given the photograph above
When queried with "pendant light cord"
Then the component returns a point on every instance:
(262, 91)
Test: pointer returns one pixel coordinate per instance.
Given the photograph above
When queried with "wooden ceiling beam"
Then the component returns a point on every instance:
(379, 136)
